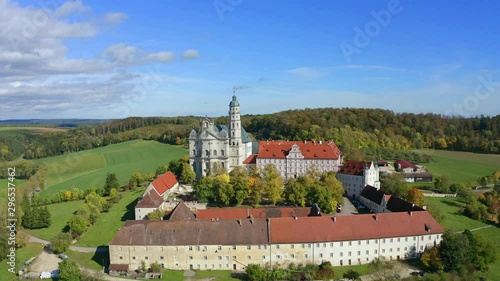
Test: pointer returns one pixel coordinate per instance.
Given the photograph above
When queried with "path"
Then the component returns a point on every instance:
(73, 248)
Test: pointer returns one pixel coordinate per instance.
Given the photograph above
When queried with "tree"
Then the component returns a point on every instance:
(160, 170)
(255, 272)
(111, 182)
(415, 196)
(155, 215)
(224, 191)
(351, 275)
(394, 184)
(69, 270)
(156, 267)
(77, 225)
(334, 186)
(175, 166)
(273, 183)
(442, 184)
(295, 193)
(238, 179)
(454, 251)
(432, 260)
(187, 174)
(36, 217)
(203, 189)
(60, 243)
(136, 179)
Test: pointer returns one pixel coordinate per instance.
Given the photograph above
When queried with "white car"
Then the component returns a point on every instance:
(45, 275)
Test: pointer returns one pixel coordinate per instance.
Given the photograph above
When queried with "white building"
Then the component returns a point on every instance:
(355, 175)
(231, 244)
(227, 145)
(295, 158)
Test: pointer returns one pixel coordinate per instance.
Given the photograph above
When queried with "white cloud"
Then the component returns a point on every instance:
(68, 8)
(122, 53)
(115, 18)
(307, 73)
(190, 54)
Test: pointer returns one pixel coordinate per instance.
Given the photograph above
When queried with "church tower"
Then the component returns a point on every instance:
(235, 142)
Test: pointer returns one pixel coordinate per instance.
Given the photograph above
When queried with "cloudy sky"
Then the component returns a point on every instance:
(89, 59)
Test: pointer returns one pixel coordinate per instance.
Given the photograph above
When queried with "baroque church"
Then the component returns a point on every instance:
(225, 145)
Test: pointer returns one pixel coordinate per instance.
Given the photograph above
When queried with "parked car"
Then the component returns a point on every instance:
(63, 257)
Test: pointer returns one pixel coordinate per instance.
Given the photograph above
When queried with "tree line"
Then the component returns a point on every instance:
(352, 129)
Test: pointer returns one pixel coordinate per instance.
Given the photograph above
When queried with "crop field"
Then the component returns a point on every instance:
(31, 129)
(89, 168)
(462, 166)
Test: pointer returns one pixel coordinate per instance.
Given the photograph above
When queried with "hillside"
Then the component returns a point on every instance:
(89, 168)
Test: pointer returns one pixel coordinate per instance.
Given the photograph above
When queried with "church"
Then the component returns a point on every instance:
(224, 145)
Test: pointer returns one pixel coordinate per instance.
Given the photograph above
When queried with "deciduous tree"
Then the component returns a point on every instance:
(69, 270)
(415, 196)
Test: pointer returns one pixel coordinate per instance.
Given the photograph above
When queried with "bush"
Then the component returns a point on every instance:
(60, 243)
(69, 271)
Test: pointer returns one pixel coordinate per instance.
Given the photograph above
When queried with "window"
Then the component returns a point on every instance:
(263, 257)
(359, 242)
(399, 239)
(197, 248)
(308, 245)
(303, 246)
(317, 245)
(406, 239)
(331, 244)
(390, 250)
(278, 257)
(190, 257)
(121, 257)
(219, 257)
(234, 247)
(376, 252)
(367, 252)
(292, 256)
(341, 244)
(205, 258)
(249, 257)
(133, 258)
(260, 247)
(320, 255)
(306, 256)
(399, 249)
(383, 250)
(331, 255)
(293, 246)
(222, 152)
(205, 266)
(349, 253)
(391, 240)
(341, 254)
(204, 248)
(227, 258)
(350, 243)
(190, 248)
(359, 253)
(234, 257)
(277, 246)
(215, 152)
(249, 247)
(265, 247)
(219, 248)
(383, 240)
(161, 258)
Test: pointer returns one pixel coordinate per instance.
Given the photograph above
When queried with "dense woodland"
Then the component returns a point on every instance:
(352, 129)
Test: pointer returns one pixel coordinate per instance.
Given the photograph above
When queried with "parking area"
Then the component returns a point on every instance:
(347, 208)
(45, 262)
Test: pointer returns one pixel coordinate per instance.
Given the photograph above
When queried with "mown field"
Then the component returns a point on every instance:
(4, 183)
(89, 168)
(462, 166)
(455, 221)
(60, 214)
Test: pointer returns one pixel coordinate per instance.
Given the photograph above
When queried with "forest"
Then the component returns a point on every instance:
(351, 129)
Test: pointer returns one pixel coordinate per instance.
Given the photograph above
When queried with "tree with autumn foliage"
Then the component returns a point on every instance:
(273, 183)
(415, 196)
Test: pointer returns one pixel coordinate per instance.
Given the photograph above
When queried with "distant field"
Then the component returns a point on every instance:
(462, 166)
(32, 129)
(60, 214)
(89, 168)
(107, 224)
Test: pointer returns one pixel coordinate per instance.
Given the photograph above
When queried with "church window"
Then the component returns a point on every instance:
(207, 152)
(194, 152)
(215, 152)
(222, 152)
(233, 134)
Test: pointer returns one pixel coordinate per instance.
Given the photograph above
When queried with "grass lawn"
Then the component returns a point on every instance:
(108, 223)
(4, 183)
(217, 275)
(61, 213)
(89, 168)
(340, 270)
(22, 255)
(462, 166)
(89, 260)
(173, 275)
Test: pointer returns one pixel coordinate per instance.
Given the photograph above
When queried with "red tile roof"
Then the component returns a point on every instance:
(355, 227)
(242, 213)
(310, 150)
(150, 200)
(353, 167)
(164, 182)
(403, 164)
(252, 159)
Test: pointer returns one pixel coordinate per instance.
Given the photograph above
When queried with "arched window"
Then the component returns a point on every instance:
(222, 152)
(194, 151)
(207, 152)
(222, 164)
(215, 152)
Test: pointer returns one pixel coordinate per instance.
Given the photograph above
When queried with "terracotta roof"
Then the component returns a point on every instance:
(354, 227)
(118, 267)
(309, 149)
(150, 200)
(252, 159)
(164, 182)
(181, 212)
(354, 167)
(242, 213)
(403, 164)
(193, 232)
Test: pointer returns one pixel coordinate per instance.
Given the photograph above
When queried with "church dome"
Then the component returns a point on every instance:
(234, 102)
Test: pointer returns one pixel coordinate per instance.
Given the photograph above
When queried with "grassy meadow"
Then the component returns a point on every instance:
(89, 168)
(462, 166)
(60, 213)
(22, 255)
(454, 221)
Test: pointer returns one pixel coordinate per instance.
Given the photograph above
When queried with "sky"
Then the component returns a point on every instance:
(114, 59)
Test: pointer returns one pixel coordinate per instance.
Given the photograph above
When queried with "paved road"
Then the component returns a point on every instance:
(73, 248)
(347, 208)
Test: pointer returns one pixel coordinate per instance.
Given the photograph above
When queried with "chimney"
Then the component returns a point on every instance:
(375, 217)
(410, 213)
(251, 219)
(248, 213)
(239, 222)
(295, 218)
(334, 219)
(216, 219)
(320, 142)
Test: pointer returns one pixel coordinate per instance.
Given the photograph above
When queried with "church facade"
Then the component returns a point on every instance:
(226, 146)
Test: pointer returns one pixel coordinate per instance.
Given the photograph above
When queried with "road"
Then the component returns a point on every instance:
(73, 248)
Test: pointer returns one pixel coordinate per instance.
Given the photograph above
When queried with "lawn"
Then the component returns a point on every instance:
(216, 275)
(60, 213)
(89, 168)
(4, 183)
(89, 260)
(173, 275)
(108, 223)
(340, 270)
(22, 255)
(462, 166)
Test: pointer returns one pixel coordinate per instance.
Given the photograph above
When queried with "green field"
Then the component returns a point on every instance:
(22, 255)
(4, 183)
(89, 260)
(108, 223)
(60, 214)
(462, 166)
(89, 168)
(454, 221)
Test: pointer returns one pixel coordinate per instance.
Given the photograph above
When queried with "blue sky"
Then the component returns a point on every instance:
(108, 59)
